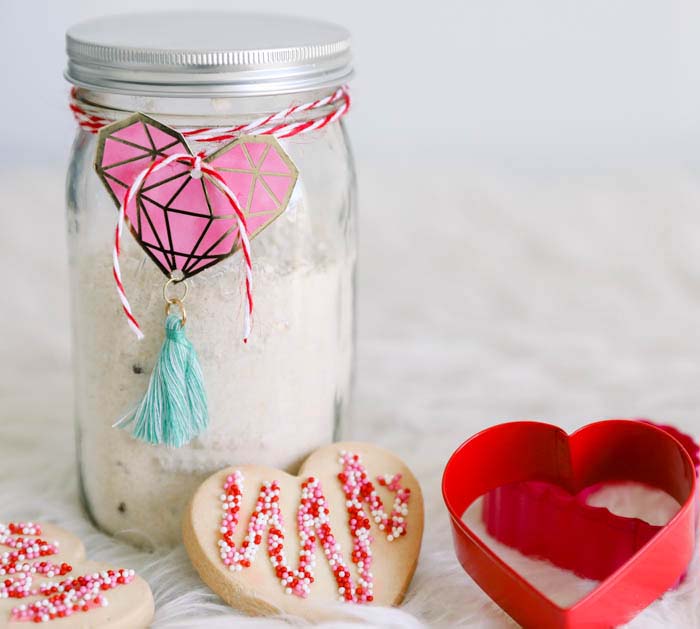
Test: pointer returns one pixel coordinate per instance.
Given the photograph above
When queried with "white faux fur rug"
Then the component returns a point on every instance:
(483, 297)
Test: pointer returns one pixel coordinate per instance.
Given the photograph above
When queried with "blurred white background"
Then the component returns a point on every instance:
(529, 83)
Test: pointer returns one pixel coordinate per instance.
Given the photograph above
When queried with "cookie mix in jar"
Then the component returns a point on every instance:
(212, 242)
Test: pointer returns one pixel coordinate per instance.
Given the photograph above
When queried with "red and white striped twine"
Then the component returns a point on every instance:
(273, 124)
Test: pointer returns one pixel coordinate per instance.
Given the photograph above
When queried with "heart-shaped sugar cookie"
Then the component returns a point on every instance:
(44, 577)
(347, 527)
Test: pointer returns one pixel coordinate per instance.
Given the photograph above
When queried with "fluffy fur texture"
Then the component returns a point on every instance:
(483, 297)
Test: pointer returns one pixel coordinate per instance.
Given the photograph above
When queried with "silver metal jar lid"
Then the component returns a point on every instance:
(207, 54)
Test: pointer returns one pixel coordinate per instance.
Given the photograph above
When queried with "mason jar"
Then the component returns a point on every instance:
(284, 393)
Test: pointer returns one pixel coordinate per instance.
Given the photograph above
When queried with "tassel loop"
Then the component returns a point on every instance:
(183, 313)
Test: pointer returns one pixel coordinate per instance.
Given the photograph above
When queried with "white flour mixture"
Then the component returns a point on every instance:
(270, 402)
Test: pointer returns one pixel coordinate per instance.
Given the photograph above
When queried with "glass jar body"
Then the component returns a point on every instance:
(271, 401)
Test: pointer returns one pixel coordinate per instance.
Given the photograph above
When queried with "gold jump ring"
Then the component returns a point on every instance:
(170, 300)
(174, 301)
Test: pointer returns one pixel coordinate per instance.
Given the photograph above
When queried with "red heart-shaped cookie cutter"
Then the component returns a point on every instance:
(606, 451)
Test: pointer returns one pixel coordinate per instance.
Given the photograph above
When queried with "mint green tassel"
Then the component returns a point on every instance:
(174, 409)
